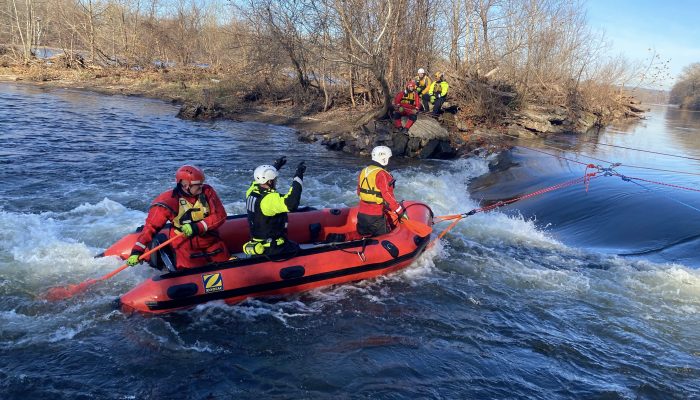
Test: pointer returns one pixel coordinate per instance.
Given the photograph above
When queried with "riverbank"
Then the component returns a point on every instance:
(195, 91)
(205, 95)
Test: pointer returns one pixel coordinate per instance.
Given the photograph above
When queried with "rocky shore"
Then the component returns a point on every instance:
(449, 136)
(445, 137)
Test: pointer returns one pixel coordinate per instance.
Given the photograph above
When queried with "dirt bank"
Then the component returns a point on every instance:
(206, 95)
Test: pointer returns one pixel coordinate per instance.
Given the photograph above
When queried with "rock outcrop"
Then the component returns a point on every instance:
(545, 120)
(427, 138)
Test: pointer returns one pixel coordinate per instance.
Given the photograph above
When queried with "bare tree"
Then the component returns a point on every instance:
(366, 25)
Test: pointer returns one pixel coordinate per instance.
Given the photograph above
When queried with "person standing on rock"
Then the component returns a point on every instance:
(423, 83)
(375, 186)
(406, 104)
(437, 93)
(268, 209)
(196, 211)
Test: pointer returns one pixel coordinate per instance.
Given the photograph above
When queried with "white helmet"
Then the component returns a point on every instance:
(381, 155)
(421, 71)
(264, 173)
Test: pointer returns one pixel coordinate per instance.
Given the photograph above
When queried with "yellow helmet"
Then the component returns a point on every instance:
(439, 75)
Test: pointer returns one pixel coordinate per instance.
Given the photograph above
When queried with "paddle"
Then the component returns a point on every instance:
(64, 292)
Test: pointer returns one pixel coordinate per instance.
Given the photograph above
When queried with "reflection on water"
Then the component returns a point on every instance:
(624, 217)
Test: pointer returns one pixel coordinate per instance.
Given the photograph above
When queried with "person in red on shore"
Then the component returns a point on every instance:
(196, 211)
(406, 104)
(375, 186)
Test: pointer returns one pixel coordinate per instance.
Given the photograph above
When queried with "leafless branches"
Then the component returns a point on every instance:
(332, 51)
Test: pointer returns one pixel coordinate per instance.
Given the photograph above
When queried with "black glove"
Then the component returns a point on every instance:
(279, 163)
(301, 168)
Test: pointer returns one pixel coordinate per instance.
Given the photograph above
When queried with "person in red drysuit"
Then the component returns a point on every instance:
(406, 104)
(375, 186)
(196, 211)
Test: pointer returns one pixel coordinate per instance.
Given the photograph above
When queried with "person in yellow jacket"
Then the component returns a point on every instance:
(437, 93)
(267, 210)
(375, 187)
(423, 83)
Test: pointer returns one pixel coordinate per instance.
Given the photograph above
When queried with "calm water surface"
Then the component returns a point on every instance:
(568, 295)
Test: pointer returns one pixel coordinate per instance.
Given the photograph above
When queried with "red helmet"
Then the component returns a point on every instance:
(189, 173)
(411, 84)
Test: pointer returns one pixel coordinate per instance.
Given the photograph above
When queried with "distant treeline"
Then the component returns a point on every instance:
(495, 53)
(686, 91)
(649, 96)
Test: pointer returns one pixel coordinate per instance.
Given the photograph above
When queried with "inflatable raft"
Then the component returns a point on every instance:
(326, 257)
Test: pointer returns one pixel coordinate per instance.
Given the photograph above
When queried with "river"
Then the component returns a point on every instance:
(571, 294)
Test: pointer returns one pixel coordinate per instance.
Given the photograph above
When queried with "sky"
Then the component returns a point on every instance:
(671, 28)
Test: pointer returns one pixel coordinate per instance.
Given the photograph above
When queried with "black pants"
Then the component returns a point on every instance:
(371, 225)
(437, 106)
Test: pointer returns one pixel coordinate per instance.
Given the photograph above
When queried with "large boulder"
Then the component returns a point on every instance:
(399, 142)
(428, 128)
(427, 138)
(437, 148)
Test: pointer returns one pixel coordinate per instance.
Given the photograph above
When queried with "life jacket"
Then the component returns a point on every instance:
(263, 227)
(421, 84)
(408, 98)
(190, 213)
(438, 87)
(367, 181)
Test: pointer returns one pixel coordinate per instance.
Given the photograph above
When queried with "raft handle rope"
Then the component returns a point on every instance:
(360, 253)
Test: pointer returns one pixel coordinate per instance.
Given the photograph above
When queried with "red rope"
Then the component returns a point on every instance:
(586, 178)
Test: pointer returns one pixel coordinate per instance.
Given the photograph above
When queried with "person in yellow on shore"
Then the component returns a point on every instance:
(375, 187)
(267, 210)
(423, 83)
(194, 209)
(437, 93)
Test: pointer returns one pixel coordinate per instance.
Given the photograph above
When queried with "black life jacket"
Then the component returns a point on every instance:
(261, 226)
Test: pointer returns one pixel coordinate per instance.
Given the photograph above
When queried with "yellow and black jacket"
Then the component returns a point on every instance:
(267, 210)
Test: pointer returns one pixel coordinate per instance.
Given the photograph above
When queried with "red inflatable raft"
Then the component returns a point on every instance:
(321, 261)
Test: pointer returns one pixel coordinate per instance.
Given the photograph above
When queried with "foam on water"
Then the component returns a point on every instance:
(53, 246)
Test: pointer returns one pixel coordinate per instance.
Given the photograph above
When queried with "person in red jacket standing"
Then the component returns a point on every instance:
(406, 104)
(196, 211)
(375, 186)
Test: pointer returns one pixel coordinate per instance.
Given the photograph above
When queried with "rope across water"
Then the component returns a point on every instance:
(585, 179)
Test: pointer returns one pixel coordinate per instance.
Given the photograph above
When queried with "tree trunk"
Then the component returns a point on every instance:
(381, 112)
